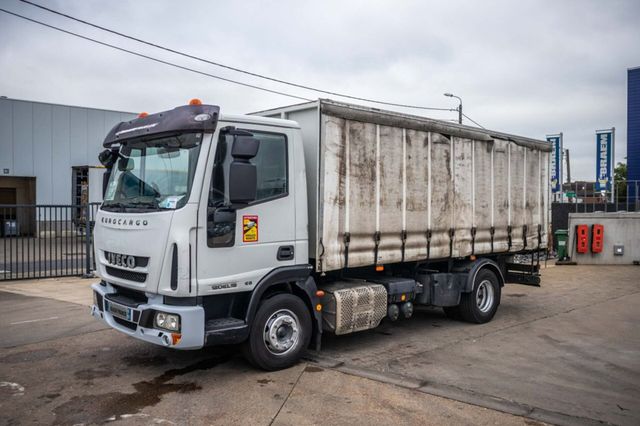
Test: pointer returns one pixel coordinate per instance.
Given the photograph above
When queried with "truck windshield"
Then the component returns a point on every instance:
(153, 174)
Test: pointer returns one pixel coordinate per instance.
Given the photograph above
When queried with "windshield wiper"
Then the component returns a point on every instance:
(132, 205)
(152, 204)
(115, 205)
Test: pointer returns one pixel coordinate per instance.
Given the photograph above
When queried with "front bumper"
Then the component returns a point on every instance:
(191, 334)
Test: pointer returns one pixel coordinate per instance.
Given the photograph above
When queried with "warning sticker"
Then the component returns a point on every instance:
(249, 229)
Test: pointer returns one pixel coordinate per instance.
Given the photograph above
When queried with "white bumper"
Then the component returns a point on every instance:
(191, 335)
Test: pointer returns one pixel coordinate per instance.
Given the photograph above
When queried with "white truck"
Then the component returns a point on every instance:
(272, 228)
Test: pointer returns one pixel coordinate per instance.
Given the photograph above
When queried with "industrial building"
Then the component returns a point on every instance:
(47, 153)
(633, 124)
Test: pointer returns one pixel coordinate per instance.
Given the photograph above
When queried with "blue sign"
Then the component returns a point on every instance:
(604, 142)
(556, 162)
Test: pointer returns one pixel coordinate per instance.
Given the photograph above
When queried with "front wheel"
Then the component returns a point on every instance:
(280, 332)
(480, 305)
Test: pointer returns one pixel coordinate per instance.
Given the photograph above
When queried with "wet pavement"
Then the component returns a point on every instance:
(566, 353)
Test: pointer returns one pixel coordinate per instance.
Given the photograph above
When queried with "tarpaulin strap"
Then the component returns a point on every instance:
(524, 235)
(376, 239)
(403, 236)
(509, 237)
(539, 236)
(473, 240)
(539, 242)
(428, 243)
(492, 231)
(347, 239)
(451, 234)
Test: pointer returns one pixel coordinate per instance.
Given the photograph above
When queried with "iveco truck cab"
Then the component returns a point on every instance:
(219, 229)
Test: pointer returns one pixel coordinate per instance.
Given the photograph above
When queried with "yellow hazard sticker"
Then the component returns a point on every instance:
(249, 229)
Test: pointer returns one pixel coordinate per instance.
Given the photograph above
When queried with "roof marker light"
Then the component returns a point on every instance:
(195, 101)
(143, 114)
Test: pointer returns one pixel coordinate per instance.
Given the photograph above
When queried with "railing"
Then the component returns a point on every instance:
(44, 241)
(621, 196)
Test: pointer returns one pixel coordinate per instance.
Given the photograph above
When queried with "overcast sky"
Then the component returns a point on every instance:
(527, 67)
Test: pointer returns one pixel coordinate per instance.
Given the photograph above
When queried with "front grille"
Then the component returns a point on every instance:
(140, 260)
(125, 323)
(138, 277)
(135, 296)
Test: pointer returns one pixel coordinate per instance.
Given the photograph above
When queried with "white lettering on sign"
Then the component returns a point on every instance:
(603, 173)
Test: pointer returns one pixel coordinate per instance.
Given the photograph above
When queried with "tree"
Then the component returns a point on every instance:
(620, 180)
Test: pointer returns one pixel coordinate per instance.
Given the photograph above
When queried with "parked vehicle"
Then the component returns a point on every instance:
(270, 229)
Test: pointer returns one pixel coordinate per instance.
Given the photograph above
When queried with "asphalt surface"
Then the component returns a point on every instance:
(566, 353)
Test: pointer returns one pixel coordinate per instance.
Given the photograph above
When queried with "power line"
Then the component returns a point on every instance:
(473, 121)
(218, 64)
(154, 59)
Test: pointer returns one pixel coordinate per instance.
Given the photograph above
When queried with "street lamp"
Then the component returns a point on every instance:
(451, 95)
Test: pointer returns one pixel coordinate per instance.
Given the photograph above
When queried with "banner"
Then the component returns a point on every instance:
(604, 159)
(556, 162)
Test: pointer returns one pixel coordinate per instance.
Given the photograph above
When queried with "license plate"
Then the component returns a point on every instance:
(120, 311)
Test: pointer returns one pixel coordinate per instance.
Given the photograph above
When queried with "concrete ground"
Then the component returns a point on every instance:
(566, 353)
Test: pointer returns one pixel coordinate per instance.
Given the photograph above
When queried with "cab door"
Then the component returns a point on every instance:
(236, 248)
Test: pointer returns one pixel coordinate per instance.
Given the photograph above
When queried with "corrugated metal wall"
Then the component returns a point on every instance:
(46, 140)
(633, 124)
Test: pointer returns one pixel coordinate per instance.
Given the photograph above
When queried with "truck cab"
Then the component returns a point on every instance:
(199, 209)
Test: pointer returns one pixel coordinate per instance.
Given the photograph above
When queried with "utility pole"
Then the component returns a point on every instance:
(451, 95)
(568, 166)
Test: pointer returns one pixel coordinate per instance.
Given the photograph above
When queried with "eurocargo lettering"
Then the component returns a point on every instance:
(273, 228)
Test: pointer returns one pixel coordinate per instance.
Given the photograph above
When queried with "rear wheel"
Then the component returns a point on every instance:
(480, 305)
(280, 332)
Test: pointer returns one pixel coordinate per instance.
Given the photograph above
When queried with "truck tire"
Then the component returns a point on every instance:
(480, 305)
(280, 333)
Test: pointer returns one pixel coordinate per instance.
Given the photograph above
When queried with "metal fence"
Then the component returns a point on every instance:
(44, 241)
(621, 196)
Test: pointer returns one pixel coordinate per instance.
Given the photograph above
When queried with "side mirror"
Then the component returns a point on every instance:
(108, 158)
(244, 147)
(126, 164)
(243, 182)
(243, 176)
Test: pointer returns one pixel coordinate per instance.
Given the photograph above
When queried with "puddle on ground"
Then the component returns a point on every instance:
(92, 373)
(98, 408)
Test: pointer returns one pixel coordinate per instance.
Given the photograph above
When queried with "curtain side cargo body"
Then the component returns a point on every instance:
(387, 187)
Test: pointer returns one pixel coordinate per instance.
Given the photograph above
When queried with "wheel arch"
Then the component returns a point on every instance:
(296, 280)
(480, 264)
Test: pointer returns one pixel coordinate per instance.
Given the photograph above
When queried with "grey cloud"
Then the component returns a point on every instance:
(527, 67)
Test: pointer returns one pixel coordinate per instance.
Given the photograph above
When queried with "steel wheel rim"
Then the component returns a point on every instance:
(282, 332)
(485, 296)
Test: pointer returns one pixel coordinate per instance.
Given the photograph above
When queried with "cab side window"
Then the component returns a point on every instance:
(271, 165)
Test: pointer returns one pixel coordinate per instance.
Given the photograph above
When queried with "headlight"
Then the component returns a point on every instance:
(167, 321)
(95, 298)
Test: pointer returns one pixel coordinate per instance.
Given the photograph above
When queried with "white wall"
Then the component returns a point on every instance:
(46, 140)
(621, 228)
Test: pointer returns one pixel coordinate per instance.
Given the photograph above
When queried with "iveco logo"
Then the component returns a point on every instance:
(124, 222)
(123, 260)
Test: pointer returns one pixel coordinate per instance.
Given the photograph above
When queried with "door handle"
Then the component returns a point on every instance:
(285, 253)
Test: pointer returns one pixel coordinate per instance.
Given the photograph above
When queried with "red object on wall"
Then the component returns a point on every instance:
(582, 238)
(597, 237)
